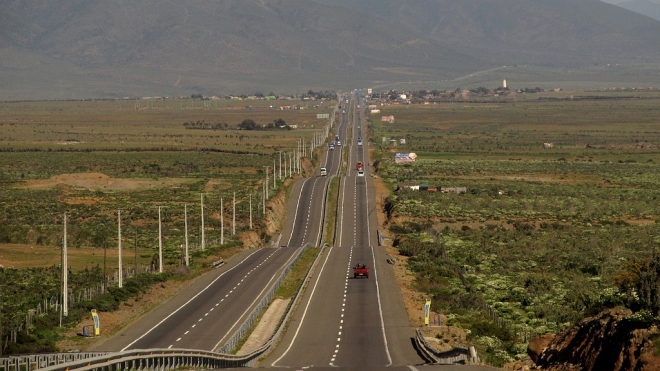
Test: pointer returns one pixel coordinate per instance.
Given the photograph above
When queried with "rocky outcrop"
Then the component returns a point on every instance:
(610, 341)
(538, 345)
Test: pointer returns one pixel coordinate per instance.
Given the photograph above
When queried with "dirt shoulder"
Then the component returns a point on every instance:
(442, 337)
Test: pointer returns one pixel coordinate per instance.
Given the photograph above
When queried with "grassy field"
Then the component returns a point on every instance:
(89, 159)
(540, 234)
(121, 125)
(520, 128)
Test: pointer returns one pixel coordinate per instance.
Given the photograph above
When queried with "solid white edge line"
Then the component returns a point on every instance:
(293, 226)
(380, 304)
(254, 301)
(186, 303)
(295, 335)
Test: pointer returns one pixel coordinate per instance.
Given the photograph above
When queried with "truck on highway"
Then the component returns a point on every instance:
(359, 165)
(331, 145)
(324, 171)
(360, 270)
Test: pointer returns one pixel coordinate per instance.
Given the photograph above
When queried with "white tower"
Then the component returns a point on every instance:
(504, 84)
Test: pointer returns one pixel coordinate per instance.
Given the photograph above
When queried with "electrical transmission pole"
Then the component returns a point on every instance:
(65, 275)
(185, 216)
(233, 217)
(202, 206)
(120, 280)
(160, 243)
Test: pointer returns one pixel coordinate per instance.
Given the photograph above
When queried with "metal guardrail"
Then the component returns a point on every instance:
(39, 361)
(155, 359)
(458, 355)
(160, 359)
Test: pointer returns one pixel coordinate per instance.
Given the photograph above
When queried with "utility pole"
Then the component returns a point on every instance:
(222, 223)
(160, 243)
(202, 206)
(185, 217)
(233, 217)
(274, 176)
(266, 182)
(250, 210)
(135, 246)
(263, 205)
(119, 276)
(65, 276)
(281, 165)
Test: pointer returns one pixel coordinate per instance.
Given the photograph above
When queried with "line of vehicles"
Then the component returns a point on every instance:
(359, 166)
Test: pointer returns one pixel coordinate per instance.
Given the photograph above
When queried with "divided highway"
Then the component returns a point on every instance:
(212, 308)
(343, 321)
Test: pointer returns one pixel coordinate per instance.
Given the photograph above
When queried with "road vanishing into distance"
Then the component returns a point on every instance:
(206, 314)
(341, 322)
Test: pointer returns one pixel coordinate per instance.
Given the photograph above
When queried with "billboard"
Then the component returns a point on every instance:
(405, 157)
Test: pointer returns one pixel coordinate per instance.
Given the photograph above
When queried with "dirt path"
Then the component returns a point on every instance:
(98, 181)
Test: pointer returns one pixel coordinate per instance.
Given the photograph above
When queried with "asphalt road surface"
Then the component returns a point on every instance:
(213, 307)
(345, 321)
(342, 322)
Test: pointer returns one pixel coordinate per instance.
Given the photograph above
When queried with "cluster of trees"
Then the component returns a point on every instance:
(249, 124)
(320, 94)
(202, 125)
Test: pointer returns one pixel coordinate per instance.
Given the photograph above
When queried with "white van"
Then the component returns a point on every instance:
(324, 171)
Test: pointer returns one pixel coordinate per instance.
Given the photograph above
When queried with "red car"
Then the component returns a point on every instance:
(359, 165)
(360, 270)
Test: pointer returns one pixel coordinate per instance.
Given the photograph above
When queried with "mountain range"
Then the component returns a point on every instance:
(649, 8)
(72, 49)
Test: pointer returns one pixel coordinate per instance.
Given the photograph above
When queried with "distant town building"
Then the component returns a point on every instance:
(389, 119)
(453, 189)
(413, 186)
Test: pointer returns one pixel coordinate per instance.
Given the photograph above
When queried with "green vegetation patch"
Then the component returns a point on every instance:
(513, 239)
